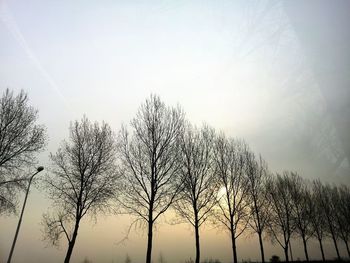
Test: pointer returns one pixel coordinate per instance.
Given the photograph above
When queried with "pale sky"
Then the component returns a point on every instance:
(238, 66)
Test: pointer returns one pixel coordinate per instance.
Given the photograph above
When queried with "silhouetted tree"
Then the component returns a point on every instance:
(258, 174)
(280, 223)
(200, 186)
(150, 160)
(341, 202)
(318, 218)
(232, 206)
(301, 208)
(83, 180)
(324, 194)
(20, 140)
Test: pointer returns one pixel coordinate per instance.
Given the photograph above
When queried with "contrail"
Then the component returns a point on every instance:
(10, 23)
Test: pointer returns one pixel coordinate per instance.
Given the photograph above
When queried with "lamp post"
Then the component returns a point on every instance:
(38, 170)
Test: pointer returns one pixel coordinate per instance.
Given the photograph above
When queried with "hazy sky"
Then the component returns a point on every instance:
(238, 66)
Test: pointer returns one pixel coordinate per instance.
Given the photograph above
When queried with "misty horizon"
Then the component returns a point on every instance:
(273, 74)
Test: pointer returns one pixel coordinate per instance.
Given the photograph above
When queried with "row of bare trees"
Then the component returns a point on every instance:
(304, 209)
(162, 162)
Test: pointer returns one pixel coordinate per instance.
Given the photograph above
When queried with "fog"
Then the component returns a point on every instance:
(271, 72)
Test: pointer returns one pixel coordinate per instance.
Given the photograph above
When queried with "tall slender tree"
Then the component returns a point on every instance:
(233, 210)
(301, 208)
(83, 180)
(280, 224)
(150, 160)
(341, 202)
(200, 187)
(258, 174)
(318, 217)
(324, 195)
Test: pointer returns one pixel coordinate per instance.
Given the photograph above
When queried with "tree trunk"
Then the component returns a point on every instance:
(305, 248)
(347, 247)
(196, 227)
(72, 243)
(333, 237)
(321, 247)
(286, 253)
(290, 250)
(149, 240)
(234, 249)
(261, 247)
(335, 245)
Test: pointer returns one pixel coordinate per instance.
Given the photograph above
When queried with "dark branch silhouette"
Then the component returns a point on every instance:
(324, 195)
(200, 186)
(232, 209)
(281, 224)
(150, 159)
(258, 175)
(341, 200)
(20, 140)
(302, 208)
(318, 217)
(83, 180)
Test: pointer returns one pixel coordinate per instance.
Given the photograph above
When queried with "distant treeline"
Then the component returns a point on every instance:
(159, 162)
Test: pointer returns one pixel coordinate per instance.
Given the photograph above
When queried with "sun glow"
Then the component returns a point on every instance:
(221, 192)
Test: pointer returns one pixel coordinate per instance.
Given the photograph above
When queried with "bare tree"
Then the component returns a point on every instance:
(233, 204)
(318, 218)
(302, 208)
(341, 202)
(200, 186)
(150, 162)
(20, 140)
(259, 208)
(280, 224)
(324, 194)
(83, 180)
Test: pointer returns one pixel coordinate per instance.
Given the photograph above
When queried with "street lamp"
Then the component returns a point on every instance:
(38, 170)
